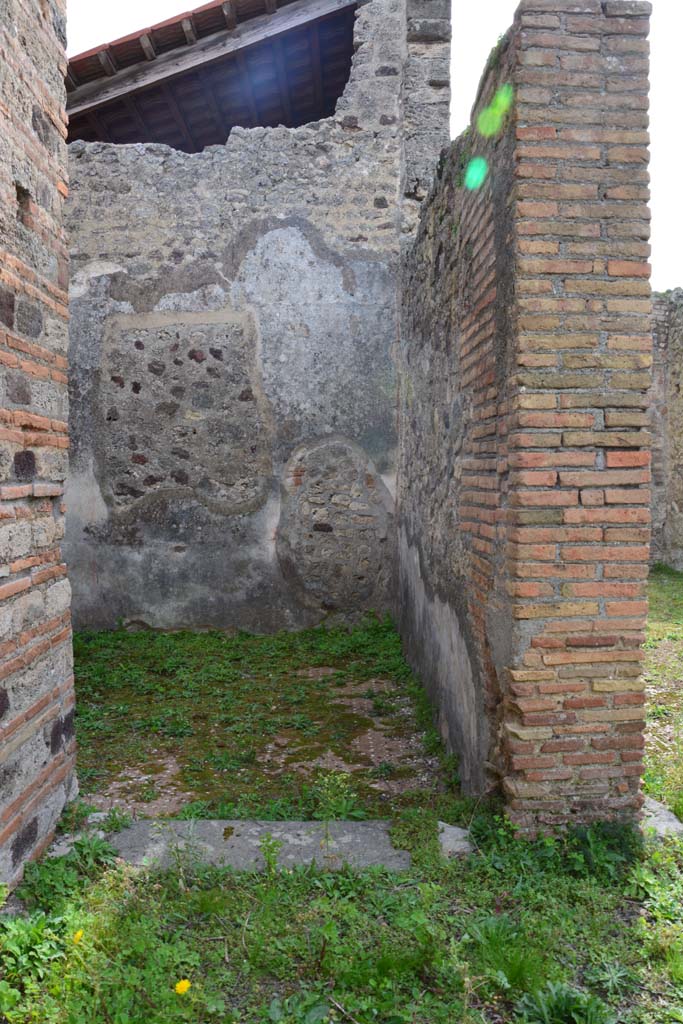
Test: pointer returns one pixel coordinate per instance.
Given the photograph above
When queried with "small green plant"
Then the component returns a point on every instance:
(558, 1003)
(172, 723)
(9, 997)
(91, 853)
(28, 946)
(75, 816)
(117, 819)
(196, 809)
(334, 797)
(148, 793)
(505, 953)
(613, 977)
(270, 848)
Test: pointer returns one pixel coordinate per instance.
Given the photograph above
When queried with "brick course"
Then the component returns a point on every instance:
(531, 296)
(36, 681)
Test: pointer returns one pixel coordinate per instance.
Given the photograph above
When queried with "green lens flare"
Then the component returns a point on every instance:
(489, 122)
(502, 101)
(476, 173)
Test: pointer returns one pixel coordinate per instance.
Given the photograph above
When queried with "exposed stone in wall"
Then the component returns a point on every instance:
(335, 539)
(523, 498)
(228, 308)
(426, 93)
(667, 430)
(36, 682)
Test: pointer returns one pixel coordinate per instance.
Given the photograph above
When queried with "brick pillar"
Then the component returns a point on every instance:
(36, 682)
(578, 516)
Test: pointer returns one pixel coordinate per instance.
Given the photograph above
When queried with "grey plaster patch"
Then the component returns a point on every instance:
(436, 647)
(324, 344)
(237, 844)
(454, 841)
(658, 817)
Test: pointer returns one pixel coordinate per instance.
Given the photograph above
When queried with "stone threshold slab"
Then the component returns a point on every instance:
(239, 844)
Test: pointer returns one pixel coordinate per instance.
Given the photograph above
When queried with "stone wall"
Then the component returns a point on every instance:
(233, 323)
(36, 682)
(667, 430)
(523, 497)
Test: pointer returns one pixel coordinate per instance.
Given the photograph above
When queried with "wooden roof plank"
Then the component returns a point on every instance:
(179, 117)
(206, 50)
(247, 89)
(317, 66)
(283, 82)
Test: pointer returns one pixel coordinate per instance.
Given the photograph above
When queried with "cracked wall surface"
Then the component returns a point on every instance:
(234, 310)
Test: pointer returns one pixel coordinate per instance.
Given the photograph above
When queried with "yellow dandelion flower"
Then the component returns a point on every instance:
(182, 986)
(78, 935)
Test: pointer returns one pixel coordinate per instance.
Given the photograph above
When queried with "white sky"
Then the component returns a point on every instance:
(476, 28)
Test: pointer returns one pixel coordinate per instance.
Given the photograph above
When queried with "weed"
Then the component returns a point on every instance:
(334, 797)
(613, 978)
(270, 848)
(562, 1004)
(505, 953)
(29, 946)
(116, 820)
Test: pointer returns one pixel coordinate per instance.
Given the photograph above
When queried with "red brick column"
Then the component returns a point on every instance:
(577, 517)
(36, 682)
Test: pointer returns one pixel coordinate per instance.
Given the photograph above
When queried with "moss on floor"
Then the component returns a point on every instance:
(239, 726)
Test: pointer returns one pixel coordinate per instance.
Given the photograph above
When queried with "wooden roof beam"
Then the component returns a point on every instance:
(207, 87)
(108, 62)
(148, 47)
(229, 13)
(204, 51)
(132, 108)
(189, 31)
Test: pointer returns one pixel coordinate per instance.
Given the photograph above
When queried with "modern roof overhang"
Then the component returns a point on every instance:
(188, 81)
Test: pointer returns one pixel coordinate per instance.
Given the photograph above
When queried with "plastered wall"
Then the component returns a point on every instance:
(233, 323)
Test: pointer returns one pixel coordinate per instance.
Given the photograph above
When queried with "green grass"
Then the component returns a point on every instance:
(586, 928)
(664, 679)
